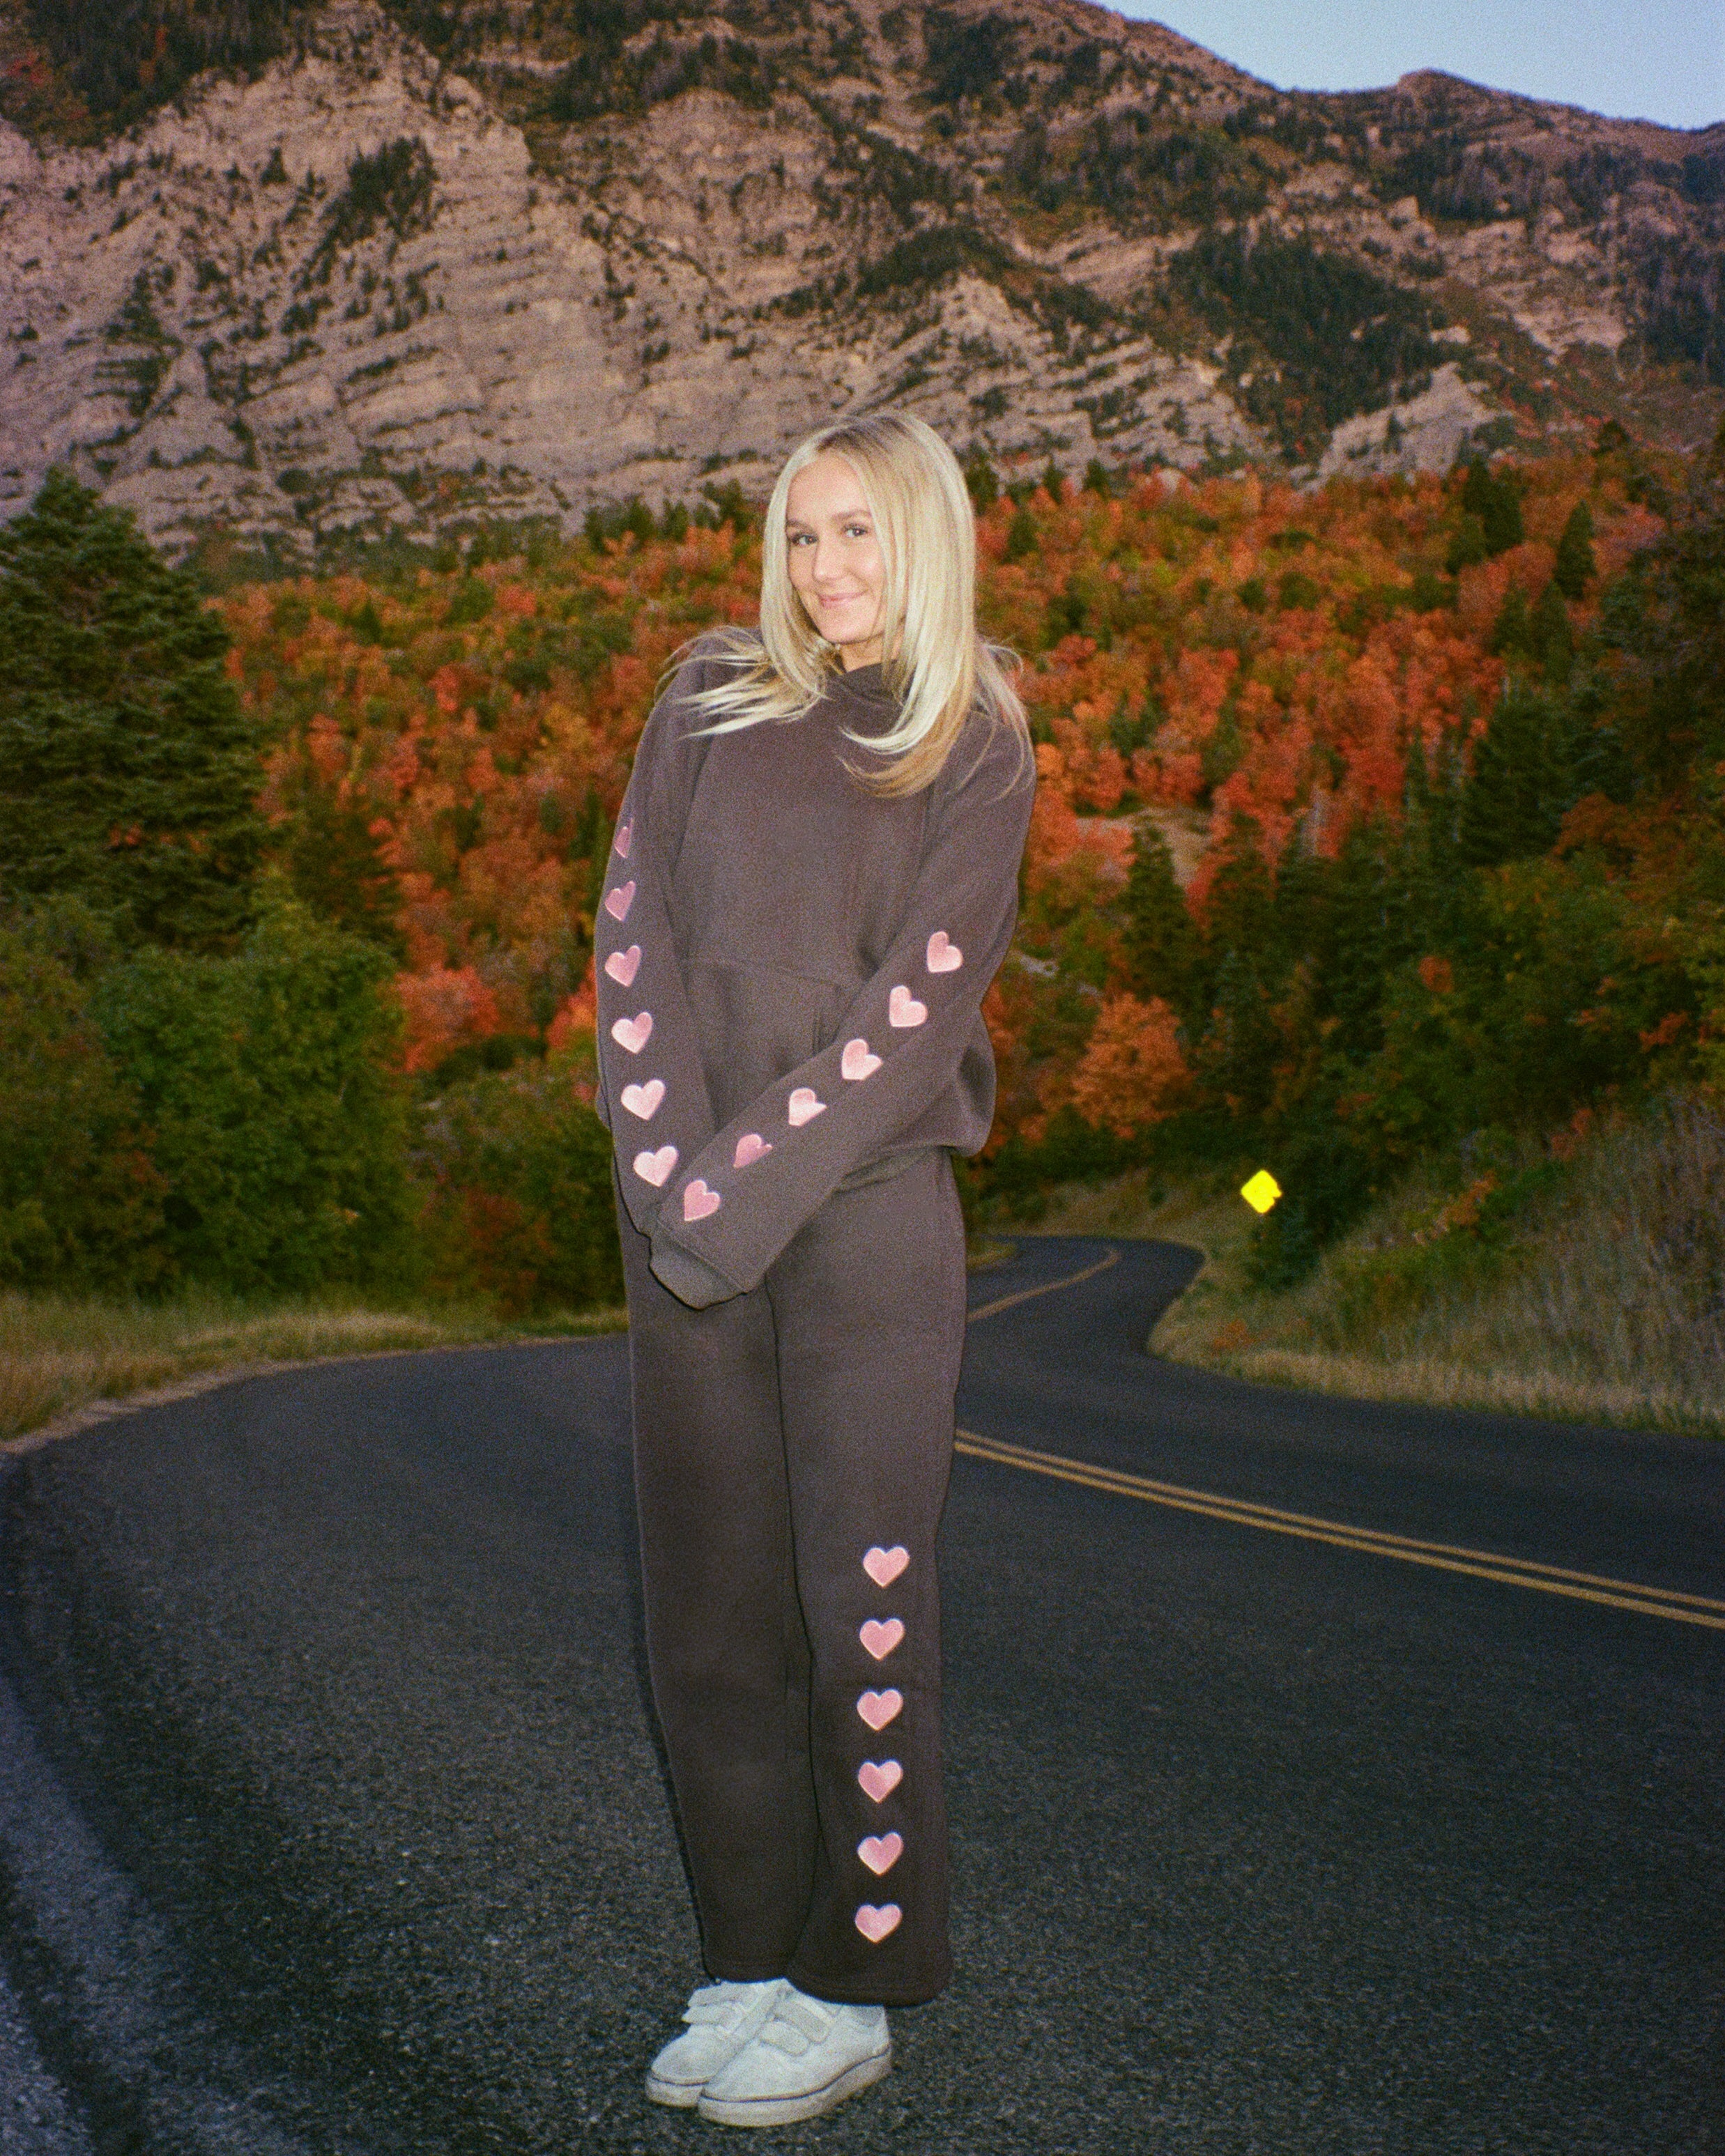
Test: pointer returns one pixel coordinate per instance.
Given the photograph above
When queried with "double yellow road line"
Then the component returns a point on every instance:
(1238, 1512)
(1446, 1557)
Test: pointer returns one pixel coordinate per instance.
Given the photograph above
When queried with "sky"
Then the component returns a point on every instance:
(1640, 60)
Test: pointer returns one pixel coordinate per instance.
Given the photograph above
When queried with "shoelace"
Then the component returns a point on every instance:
(716, 2006)
(797, 2024)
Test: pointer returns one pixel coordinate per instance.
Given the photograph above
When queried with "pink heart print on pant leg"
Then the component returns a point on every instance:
(884, 1566)
(878, 1709)
(880, 1851)
(943, 956)
(623, 966)
(643, 1101)
(878, 1781)
(625, 832)
(751, 1147)
(881, 1637)
(698, 1201)
(902, 1007)
(876, 1924)
(618, 903)
(804, 1105)
(654, 1166)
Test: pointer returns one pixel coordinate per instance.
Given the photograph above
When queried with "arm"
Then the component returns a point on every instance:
(652, 1090)
(733, 1206)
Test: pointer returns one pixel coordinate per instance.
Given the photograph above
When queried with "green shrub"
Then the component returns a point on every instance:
(268, 1082)
(80, 1198)
(521, 1207)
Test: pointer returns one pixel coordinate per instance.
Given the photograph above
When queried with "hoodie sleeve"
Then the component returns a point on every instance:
(652, 1092)
(732, 1206)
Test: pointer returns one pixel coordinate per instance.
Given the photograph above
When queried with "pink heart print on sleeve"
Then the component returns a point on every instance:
(943, 955)
(698, 1201)
(625, 832)
(858, 1061)
(623, 966)
(884, 1566)
(654, 1166)
(881, 1637)
(618, 903)
(804, 1105)
(643, 1101)
(880, 1851)
(902, 1009)
(878, 1709)
(751, 1147)
(879, 1781)
(634, 1033)
(875, 1924)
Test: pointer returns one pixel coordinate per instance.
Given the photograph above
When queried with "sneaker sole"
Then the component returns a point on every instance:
(681, 2096)
(787, 2110)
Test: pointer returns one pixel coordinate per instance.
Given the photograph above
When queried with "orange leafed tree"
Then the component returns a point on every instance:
(1132, 1073)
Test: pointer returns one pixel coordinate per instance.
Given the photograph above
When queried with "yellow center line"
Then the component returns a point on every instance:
(1047, 1287)
(1444, 1557)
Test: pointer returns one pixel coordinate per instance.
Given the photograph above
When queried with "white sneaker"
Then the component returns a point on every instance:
(810, 2056)
(721, 2018)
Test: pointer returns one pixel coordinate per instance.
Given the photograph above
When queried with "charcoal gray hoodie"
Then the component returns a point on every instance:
(791, 968)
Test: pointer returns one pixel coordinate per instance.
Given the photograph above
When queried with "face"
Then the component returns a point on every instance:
(835, 562)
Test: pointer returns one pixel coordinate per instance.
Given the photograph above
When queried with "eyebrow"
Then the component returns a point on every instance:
(839, 516)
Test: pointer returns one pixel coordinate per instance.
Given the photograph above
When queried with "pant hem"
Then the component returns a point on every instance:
(865, 1994)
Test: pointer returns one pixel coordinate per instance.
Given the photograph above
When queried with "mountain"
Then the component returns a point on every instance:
(303, 273)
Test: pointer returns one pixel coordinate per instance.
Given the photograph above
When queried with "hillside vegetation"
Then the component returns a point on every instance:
(1378, 841)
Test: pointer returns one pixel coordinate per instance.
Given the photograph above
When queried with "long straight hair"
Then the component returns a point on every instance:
(936, 663)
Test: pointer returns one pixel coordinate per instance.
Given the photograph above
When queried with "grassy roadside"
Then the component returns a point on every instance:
(61, 1353)
(1587, 1288)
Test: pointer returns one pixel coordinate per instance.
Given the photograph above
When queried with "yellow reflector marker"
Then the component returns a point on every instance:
(1261, 1193)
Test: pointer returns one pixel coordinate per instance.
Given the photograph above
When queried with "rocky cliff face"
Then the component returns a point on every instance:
(430, 265)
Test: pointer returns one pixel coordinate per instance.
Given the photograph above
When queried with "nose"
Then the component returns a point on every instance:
(828, 564)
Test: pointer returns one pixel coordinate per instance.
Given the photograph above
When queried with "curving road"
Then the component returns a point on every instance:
(1324, 1777)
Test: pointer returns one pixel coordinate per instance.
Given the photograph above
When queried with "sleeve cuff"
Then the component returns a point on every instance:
(686, 1276)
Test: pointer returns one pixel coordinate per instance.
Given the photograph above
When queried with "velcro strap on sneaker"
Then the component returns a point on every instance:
(715, 2006)
(799, 2023)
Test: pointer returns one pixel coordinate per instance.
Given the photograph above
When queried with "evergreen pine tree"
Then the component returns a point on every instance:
(1496, 501)
(1575, 567)
(129, 773)
(1021, 534)
(1367, 935)
(979, 477)
(1512, 632)
(1552, 642)
(1515, 796)
(1162, 950)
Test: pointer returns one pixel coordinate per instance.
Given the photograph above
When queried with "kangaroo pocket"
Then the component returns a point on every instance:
(756, 1024)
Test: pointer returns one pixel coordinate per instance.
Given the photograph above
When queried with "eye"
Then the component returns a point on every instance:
(858, 532)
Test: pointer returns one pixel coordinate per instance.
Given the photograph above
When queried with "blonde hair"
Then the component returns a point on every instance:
(936, 664)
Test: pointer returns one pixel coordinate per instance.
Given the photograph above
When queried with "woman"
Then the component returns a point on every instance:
(814, 880)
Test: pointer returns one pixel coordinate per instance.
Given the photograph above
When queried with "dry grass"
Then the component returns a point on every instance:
(1605, 1302)
(58, 1354)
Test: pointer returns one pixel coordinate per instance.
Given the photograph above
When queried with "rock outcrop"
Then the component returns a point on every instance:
(392, 286)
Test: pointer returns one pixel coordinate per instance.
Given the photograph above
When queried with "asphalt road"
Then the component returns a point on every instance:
(332, 1818)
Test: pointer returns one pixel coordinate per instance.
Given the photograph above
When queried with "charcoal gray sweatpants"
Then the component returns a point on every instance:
(793, 1448)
